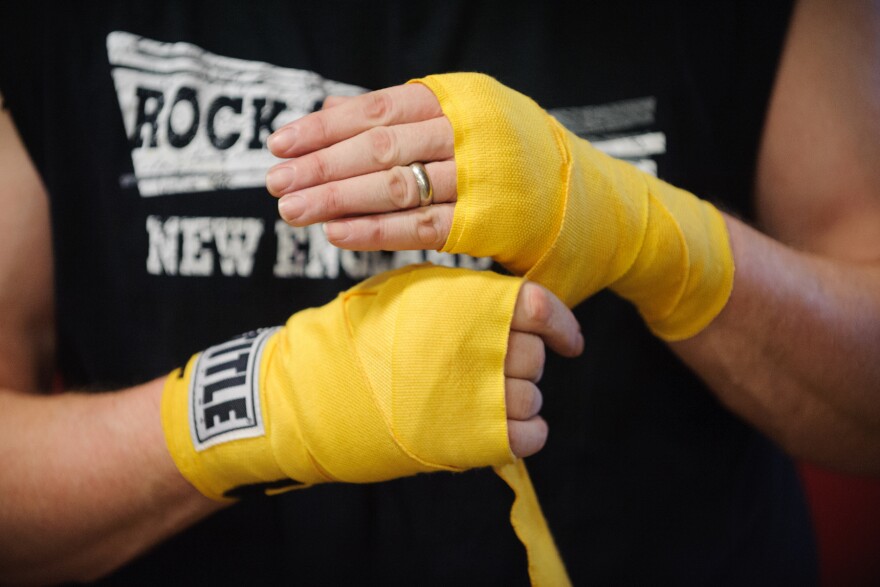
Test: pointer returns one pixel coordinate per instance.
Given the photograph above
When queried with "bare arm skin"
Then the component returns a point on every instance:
(26, 295)
(796, 350)
(86, 481)
(87, 484)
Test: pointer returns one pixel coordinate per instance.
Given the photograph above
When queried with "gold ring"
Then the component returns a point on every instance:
(426, 190)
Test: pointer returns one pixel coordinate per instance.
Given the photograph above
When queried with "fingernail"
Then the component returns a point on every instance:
(291, 206)
(279, 179)
(337, 231)
(280, 141)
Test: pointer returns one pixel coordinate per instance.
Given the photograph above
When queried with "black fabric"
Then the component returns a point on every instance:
(645, 478)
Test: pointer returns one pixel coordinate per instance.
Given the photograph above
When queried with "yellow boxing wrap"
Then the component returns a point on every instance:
(549, 206)
(399, 375)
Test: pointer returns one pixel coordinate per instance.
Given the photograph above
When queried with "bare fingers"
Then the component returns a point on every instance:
(524, 399)
(376, 149)
(526, 430)
(346, 118)
(539, 318)
(418, 228)
(528, 437)
(541, 313)
(525, 356)
(348, 168)
(391, 190)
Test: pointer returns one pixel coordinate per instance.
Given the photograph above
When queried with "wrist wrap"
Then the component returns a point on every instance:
(549, 206)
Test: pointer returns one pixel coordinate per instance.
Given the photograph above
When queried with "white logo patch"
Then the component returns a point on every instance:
(224, 393)
(198, 121)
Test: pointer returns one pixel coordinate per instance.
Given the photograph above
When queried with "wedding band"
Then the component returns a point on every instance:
(426, 190)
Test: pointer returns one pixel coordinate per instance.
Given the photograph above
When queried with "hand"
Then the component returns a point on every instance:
(347, 166)
(414, 370)
(539, 318)
(531, 195)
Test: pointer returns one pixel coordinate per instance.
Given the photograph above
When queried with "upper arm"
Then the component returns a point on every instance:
(26, 290)
(818, 182)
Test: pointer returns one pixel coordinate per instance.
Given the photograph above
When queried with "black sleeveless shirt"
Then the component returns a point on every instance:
(147, 122)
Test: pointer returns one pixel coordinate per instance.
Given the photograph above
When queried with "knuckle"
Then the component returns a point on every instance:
(319, 128)
(538, 308)
(537, 401)
(331, 101)
(539, 373)
(527, 354)
(524, 399)
(542, 432)
(516, 436)
(320, 168)
(530, 400)
(333, 199)
(376, 232)
(399, 192)
(378, 107)
(528, 437)
(428, 228)
(383, 145)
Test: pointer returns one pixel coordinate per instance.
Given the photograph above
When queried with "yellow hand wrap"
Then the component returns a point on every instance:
(402, 374)
(399, 375)
(549, 206)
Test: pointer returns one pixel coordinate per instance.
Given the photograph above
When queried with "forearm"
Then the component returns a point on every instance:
(794, 351)
(87, 483)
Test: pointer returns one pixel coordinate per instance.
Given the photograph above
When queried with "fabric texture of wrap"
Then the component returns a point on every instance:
(547, 205)
(375, 385)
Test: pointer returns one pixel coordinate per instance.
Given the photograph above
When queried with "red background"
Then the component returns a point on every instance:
(846, 516)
